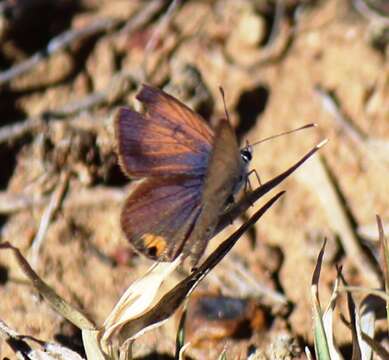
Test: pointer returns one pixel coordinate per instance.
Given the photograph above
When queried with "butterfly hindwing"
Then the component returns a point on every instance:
(159, 215)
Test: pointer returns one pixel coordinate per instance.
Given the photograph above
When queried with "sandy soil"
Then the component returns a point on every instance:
(272, 84)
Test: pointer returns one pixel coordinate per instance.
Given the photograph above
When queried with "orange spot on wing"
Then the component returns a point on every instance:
(155, 243)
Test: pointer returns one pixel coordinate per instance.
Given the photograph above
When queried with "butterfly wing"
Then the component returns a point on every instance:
(223, 173)
(160, 213)
(170, 139)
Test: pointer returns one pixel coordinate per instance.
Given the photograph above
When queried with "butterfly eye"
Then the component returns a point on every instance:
(246, 155)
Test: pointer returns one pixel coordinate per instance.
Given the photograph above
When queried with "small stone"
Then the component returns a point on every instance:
(250, 30)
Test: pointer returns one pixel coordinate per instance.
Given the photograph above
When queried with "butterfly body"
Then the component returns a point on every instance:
(190, 173)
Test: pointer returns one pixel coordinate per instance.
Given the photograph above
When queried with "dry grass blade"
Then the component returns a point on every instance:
(171, 300)
(352, 309)
(320, 339)
(367, 325)
(308, 353)
(180, 339)
(317, 176)
(181, 354)
(223, 355)
(55, 301)
(377, 347)
(91, 344)
(54, 352)
(240, 207)
(385, 262)
(14, 340)
(328, 321)
(137, 300)
(378, 293)
(47, 217)
(47, 350)
(375, 149)
(89, 333)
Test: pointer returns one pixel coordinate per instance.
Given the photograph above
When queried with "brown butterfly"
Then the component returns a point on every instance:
(190, 170)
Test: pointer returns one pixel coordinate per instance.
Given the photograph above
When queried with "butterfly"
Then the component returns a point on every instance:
(189, 170)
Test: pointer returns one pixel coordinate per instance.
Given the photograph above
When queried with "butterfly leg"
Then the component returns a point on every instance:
(253, 171)
(248, 182)
(248, 185)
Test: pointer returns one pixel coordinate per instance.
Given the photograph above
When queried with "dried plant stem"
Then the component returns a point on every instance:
(69, 37)
(379, 293)
(316, 176)
(116, 89)
(331, 106)
(58, 43)
(375, 149)
(142, 17)
(157, 33)
(55, 301)
(14, 340)
(370, 13)
(13, 202)
(46, 219)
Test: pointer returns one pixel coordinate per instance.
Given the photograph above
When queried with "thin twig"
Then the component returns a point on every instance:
(14, 340)
(116, 89)
(368, 291)
(278, 16)
(158, 31)
(331, 105)
(15, 131)
(13, 202)
(143, 17)
(370, 13)
(255, 289)
(375, 149)
(58, 43)
(47, 217)
(316, 175)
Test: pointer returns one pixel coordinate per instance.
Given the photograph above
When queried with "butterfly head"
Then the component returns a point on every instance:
(246, 155)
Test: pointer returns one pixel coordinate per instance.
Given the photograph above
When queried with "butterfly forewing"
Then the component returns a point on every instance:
(159, 214)
(160, 105)
(169, 140)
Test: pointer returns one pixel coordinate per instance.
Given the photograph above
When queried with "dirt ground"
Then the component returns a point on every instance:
(282, 65)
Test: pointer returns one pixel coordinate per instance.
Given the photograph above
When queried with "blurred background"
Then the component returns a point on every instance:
(66, 66)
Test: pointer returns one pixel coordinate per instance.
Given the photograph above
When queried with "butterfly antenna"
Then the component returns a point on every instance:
(285, 133)
(224, 103)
